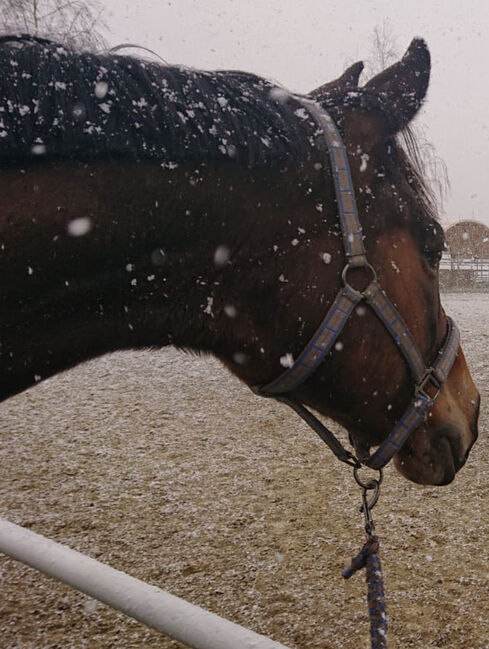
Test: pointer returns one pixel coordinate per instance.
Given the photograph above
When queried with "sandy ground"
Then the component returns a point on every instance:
(164, 466)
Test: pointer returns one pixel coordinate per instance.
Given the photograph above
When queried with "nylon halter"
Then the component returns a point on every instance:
(346, 300)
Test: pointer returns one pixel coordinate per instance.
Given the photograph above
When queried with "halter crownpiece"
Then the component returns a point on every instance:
(341, 309)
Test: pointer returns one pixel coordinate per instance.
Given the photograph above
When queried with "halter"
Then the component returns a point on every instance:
(425, 378)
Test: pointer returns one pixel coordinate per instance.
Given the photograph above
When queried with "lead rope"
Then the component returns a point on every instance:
(368, 558)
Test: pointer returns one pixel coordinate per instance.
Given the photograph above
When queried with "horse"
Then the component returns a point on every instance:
(146, 205)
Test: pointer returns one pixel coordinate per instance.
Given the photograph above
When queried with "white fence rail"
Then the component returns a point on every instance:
(476, 268)
(156, 608)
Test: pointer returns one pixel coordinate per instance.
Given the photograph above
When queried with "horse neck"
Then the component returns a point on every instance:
(108, 256)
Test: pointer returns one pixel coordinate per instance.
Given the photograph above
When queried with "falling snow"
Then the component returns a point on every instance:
(101, 89)
(38, 149)
(164, 465)
(287, 360)
(302, 113)
(364, 161)
(221, 256)
(208, 308)
(79, 227)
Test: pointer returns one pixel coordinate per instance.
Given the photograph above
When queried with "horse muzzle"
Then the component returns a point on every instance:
(435, 454)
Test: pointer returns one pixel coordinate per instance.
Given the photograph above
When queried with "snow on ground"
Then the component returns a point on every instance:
(164, 466)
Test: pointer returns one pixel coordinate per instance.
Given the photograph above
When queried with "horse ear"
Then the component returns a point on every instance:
(335, 89)
(402, 87)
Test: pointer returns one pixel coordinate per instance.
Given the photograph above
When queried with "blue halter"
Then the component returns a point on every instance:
(347, 299)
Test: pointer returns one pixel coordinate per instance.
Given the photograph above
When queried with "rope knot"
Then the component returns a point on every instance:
(370, 548)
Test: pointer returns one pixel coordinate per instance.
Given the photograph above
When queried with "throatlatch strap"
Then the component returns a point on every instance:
(324, 433)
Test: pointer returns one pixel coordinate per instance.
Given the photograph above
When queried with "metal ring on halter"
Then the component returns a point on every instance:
(373, 484)
(344, 274)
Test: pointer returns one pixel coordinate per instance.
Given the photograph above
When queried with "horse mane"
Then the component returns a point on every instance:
(59, 102)
(414, 160)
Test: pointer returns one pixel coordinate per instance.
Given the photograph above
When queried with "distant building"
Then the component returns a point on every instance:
(468, 240)
(465, 265)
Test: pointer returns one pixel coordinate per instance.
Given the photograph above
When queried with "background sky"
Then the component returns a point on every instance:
(304, 43)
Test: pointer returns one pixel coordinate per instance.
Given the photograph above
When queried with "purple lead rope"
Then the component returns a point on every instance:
(368, 558)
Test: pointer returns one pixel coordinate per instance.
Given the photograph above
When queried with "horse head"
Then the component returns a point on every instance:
(364, 383)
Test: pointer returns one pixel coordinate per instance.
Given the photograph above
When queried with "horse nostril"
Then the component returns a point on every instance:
(474, 429)
(459, 455)
(450, 444)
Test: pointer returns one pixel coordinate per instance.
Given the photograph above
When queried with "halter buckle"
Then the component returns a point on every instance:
(427, 378)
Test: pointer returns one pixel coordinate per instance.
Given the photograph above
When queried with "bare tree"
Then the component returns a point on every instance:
(385, 52)
(76, 23)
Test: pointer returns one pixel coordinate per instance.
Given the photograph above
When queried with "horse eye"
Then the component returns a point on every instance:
(433, 245)
(434, 258)
(433, 255)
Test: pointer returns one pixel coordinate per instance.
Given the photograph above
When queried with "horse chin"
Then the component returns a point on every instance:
(434, 462)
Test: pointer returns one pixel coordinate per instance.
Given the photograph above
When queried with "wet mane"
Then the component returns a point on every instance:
(59, 102)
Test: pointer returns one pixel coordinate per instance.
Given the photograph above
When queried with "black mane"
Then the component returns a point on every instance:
(57, 102)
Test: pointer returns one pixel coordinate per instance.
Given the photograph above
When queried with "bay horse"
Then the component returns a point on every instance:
(145, 205)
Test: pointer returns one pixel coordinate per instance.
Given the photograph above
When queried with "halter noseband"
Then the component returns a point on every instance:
(347, 299)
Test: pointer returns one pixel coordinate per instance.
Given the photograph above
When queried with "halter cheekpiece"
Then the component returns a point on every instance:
(346, 300)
